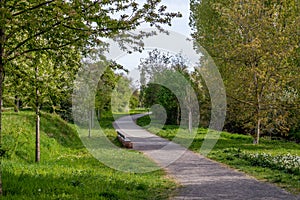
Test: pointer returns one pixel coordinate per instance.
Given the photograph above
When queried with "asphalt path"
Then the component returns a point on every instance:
(199, 177)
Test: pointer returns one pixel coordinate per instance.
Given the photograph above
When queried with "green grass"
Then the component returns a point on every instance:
(227, 143)
(67, 170)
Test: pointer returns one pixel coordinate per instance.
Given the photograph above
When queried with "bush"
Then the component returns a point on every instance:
(288, 163)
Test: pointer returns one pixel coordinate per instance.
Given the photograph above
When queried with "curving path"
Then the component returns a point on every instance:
(200, 177)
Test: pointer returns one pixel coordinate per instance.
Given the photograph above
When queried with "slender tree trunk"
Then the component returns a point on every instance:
(189, 106)
(258, 110)
(2, 39)
(37, 132)
(258, 123)
(37, 125)
(190, 120)
(17, 103)
(258, 131)
(90, 122)
(178, 115)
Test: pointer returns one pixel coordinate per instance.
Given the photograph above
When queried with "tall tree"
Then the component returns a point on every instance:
(160, 69)
(252, 42)
(43, 81)
(61, 24)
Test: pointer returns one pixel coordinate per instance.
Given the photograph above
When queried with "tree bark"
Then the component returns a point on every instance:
(17, 103)
(1, 92)
(189, 106)
(90, 122)
(37, 113)
(190, 120)
(178, 115)
(37, 132)
(2, 40)
(258, 110)
(258, 131)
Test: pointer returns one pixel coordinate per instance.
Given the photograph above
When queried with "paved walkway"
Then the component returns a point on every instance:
(200, 177)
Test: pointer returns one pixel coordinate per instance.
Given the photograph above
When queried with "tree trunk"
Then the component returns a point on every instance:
(178, 115)
(2, 39)
(37, 132)
(258, 131)
(189, 107)
(17, 103)
(258, 110)
(90, 122)
(1, 92)
(37, 113)
(190, 120)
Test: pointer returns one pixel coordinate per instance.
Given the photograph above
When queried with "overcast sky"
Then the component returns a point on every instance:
(180, 25)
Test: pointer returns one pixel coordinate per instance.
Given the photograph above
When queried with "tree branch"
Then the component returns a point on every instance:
(32, 8)
(43, 49)
(239, 100)
(32, 37)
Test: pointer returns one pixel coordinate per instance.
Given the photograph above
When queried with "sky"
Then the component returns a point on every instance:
(179, 25)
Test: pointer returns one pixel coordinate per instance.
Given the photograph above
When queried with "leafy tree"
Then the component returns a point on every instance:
(151, 67)
(43, 81)
(105, 87)
(121, 95)
(62, 24)
(158, 94)
(134, 100)
(253, 43)
(170, 85)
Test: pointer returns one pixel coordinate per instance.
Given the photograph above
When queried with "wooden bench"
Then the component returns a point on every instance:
(126, 142)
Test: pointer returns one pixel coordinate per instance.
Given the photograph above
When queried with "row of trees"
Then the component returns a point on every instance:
(256, 45)
(151, 93)
(168, 81)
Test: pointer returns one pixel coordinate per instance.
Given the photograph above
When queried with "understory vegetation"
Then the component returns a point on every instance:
(275, 161)
(67, 170)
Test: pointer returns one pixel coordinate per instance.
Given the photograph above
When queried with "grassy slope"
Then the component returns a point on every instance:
(228, 141)
(67, 170)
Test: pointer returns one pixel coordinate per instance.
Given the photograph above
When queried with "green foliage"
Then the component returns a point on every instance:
(114, 92)
(67, 170)
(255, 45)
(134, 100)
(104, 90)
(157, 94)
(37, 34)
(121, 95)
(166, 81)
(52, 74)
(81, 22)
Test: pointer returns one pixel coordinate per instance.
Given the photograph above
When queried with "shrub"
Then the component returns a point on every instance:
(288, 163)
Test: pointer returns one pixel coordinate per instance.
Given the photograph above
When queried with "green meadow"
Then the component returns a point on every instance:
(67, 170)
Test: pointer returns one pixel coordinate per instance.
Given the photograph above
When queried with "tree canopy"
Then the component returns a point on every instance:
(256, 47)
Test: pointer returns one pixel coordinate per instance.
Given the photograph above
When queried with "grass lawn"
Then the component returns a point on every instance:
(67, 170)
(234, 150)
